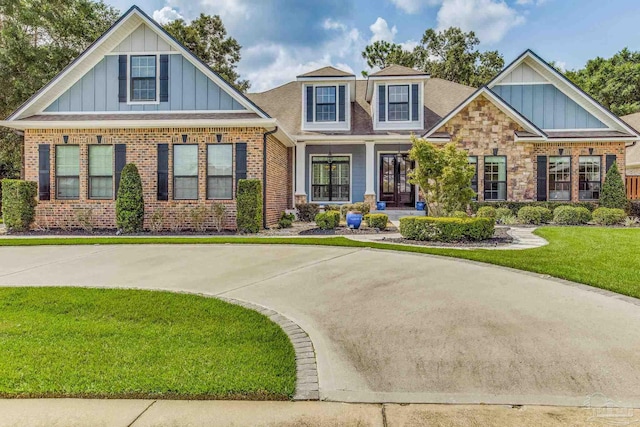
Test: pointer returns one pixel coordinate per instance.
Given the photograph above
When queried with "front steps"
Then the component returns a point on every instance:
(395, 214)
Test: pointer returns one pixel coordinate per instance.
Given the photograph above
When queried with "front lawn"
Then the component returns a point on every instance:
(57, 342)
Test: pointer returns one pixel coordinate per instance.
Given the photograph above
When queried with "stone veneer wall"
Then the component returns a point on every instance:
(142, 150)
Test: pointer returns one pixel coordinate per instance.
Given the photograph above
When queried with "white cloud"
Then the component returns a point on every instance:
(166, 14)
(381, 31)
(414, 6)
(530, 2)
(491, 20)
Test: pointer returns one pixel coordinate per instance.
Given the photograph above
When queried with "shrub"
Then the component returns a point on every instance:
(609, 216)
(631, 221)
(84, 217)
(19, 203)
(446, 229)
(249, 202)
(327, 220)
(459, 214)
(514, 207)
(571, 215)
(156, 221)
(634, 208)
(378, 221)
(286, 220)
(332, 207)
(198, 216)
(218, 211)
(509, 220)
(502, 214)
(307, 211)
(486, 212)
(613, 194)
(361, 207)
(130, 201)
(534, 215)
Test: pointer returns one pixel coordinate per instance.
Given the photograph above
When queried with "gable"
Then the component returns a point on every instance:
(189, 90)
(523, 74)
(143, 39)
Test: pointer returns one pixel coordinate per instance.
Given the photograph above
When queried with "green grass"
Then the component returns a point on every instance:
(76, 342)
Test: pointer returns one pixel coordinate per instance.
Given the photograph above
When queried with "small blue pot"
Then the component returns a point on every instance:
(381, 206)
(354, 220)
(421, 206)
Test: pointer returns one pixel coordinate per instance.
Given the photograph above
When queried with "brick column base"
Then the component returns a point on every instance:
(371, 200)
(301, 199)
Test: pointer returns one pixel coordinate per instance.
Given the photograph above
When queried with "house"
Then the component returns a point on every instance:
(137, 96)
(633, 151)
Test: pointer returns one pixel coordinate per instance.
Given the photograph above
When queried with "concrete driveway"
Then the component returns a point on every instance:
(387, 326)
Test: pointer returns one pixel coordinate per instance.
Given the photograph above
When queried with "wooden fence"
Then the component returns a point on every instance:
(633, 187)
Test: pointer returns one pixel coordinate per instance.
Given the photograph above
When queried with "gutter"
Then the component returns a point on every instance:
(264, 176)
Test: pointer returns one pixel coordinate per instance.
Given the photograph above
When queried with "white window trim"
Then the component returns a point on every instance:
(157, 100)
(325, 202)
(398, 125)
(327, 125)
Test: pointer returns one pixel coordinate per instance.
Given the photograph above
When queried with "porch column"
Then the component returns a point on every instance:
(301, 195)
(370, 192)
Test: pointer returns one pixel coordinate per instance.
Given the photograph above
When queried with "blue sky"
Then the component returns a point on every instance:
(284, 38)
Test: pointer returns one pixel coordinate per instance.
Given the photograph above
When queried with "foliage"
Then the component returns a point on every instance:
(307, 211)
(327, 220)
(446, 229)
(218, 211)
(382, 53)
(534, 215)
(331, 207)
(198, 215)
(84, 217)
(443, 174)
(613, 82)
(508, 220)
(207, 38)
(502, 214)
(286, 220)
(378, 221)
(634, 208)
(571, 215)
(19, 203)
(631, 221)
(613, 194)
(361, 207)
(609, 216)
(249, 202)
(459, 214)
(486, 212)
(156, 221)
(130, 202)
(514, 207)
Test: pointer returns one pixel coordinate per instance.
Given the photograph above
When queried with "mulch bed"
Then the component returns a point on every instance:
(112, 233)
(345, 231)
(500, 238)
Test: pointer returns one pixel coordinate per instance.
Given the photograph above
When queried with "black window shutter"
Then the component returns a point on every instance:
(44, 172)
(122, 78)
(611, 159)
(121, 160)
(542, 178)
(382, 102)
(163, 171)
(341, 103)
(309, 104)
(164, 78)
(241, 160)
(415, 116)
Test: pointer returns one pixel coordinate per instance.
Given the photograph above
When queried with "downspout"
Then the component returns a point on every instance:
(264, 176)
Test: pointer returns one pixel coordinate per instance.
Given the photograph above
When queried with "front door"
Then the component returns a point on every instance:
(395, 188)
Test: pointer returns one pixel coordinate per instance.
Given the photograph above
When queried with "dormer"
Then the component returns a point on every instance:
(396, 94)
(327, 94)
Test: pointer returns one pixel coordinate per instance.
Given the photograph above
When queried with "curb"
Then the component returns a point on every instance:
(307, 387)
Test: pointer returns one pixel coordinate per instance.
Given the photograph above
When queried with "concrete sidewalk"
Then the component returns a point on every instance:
(143, 413)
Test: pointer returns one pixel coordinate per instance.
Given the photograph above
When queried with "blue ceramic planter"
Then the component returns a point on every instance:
(354, 220)
(381, 206)
(421, 206)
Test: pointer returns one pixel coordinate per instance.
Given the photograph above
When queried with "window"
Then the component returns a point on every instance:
(100, 172)
(495, 178)
(185, 172)
(220, 171)
(325, 104)
(559, 178)
(330, 178)
(399, 103)
(590, 173)
(473, 161)
(143, 78)
(67, 172)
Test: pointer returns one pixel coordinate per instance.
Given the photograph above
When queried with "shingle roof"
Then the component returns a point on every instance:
(397, 70)
(285, 103)
(327, 72)
(595, 133)
(142, 116)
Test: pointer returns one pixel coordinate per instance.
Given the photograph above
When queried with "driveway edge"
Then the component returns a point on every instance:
(307, 387)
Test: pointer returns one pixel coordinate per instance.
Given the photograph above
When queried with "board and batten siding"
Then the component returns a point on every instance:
(189, 90)
(143, 39)
(547, 107)
(358, 167)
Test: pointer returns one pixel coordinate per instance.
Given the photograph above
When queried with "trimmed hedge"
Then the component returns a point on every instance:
(514, 207)
(571, 215)
(486, 212)
(535, 215)
(609, 216)
(130, 201)
(19, 203)
(503, 214)
(378, 221)
(307, 211)
(328, 220)
(249, 202)
(444, 229)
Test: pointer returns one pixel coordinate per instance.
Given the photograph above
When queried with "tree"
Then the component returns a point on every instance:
(381, 54)
(206, 37)
(130, 201)
(613, 82)
(613, 193)
(444, 176)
